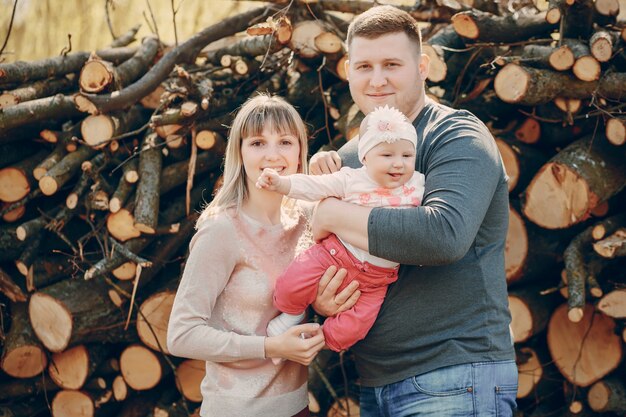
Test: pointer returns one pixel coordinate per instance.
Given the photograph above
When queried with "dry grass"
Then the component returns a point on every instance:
(41, 27)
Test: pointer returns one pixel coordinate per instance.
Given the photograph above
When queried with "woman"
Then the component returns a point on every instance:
(246, 237)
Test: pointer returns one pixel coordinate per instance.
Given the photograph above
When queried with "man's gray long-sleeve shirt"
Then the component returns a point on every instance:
(449, 305)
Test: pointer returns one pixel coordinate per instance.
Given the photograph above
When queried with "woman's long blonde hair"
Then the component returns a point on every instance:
(256, 114)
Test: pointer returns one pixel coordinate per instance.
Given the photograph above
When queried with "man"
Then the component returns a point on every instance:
(441, 344)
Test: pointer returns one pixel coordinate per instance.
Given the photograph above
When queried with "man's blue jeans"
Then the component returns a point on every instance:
(475, 389)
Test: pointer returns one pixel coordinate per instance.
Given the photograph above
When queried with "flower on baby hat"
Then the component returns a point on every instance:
(385, 124)
(388, 122)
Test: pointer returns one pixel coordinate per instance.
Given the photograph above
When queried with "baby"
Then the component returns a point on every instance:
(386, 148)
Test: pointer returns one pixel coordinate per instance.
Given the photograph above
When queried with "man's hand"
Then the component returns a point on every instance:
(324, 163)
(330, 303)
(270, 180)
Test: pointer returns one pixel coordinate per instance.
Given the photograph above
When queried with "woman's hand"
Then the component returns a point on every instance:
(298, 344)
(328, 302)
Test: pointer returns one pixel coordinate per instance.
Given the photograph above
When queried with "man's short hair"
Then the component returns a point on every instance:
(383, 20)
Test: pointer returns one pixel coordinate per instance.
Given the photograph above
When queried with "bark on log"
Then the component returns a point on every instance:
(21, 72)
(17, 389)
(531, 254)
(10, 289)
(586, 351)
(485, 27)
(530, 311)
(521, 162)
(16, 180)
(185, 52)
(559, 59)
(586, 66)
(249, 47)
(578, 20)
(612, 246)
(608, 395)
(439, 49)
(103, 75)
(578, 271)
(65, 170)
(602, 44)
(43, 109)
(531, 86)
(147, 197)
(48, 270)
(51, 160)
(38, 89)
(61, 319)
(22, 354)
(565, 190)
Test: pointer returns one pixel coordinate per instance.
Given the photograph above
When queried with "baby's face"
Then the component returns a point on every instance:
(391, 165)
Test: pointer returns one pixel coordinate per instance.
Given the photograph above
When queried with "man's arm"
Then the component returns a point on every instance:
(463, 171)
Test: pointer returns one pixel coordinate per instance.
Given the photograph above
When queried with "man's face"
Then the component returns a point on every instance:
(387, 70)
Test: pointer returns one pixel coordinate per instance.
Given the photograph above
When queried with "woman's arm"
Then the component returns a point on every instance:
(208, 268)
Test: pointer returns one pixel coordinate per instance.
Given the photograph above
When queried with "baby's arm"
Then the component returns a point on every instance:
(271, 181)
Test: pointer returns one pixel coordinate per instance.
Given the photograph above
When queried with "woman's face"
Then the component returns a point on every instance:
(270, 149)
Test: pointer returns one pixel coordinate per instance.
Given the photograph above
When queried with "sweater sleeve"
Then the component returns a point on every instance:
(212, 259)
(463, 170)
(317, 187)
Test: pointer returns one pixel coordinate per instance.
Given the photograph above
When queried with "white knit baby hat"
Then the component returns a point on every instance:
(386, 124)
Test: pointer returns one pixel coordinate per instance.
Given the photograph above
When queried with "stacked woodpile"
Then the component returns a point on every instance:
(106, 157)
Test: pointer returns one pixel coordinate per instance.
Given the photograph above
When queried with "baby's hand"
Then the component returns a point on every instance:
(268, 180)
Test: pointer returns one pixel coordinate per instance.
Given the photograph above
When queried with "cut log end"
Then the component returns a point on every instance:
(97, 130)
(607, 7)
(120, 225)
(575, 315)
(328, 43)
(613, 304)
(14, 185)
(511, 83)
(131, 176)
(587, 68)
(465, 26)
(13, 215)
(25, 361)
(553, 16)
(51, 321)
(153, 320)
(568, 105)
(95, 76)
(72, 403)
(584, 352)
(83, 104)
(522, 319)
(69, 369)
(48, 185)
(616, 131)
(206, 139)
(562, 59)
(530, 373)
(516, 249)
(189, 376)
(120, 389)
(140, 367)
(437, 69)
(126, 271)
(8, 100)
(557, 197)
(598, 396)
